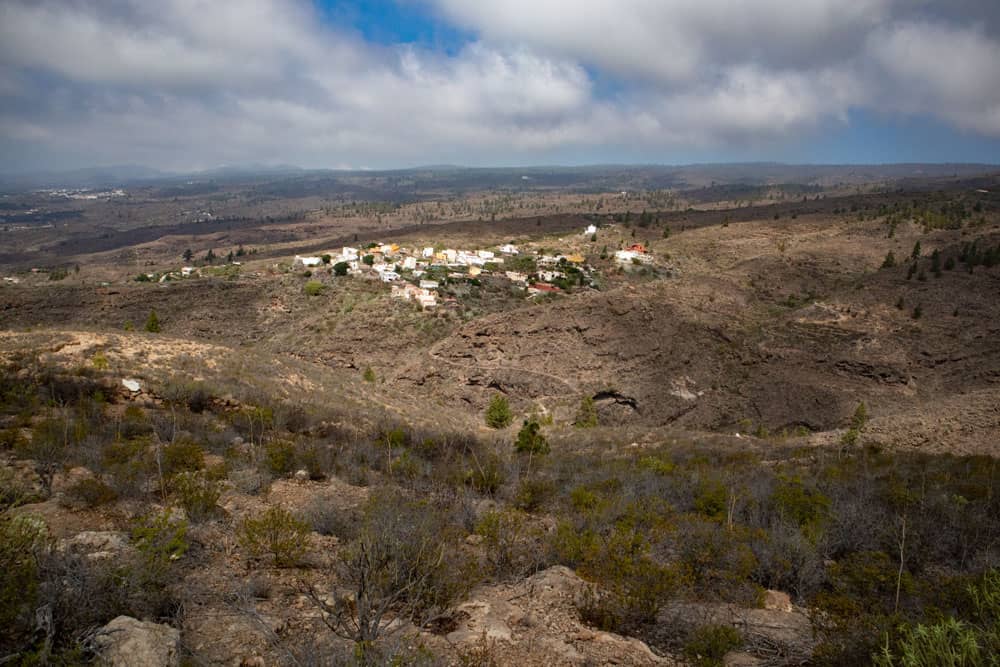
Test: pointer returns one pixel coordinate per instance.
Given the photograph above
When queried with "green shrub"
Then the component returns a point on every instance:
(314, 288)
(498, 413)
(196, 493)
(340, 268)
(182, 456)
(486, 476)
(153, 322)
(586, 415)
(160, 539)
(369, 374)
(126, 466)
(276, 533)
(950, 643)
(657, 465)
(531, 440)
(22, 540)
(504, 534)
(533, 493)
(91, 492)
(805, 506)
(711, 499)
(279, 456)
(710, 643)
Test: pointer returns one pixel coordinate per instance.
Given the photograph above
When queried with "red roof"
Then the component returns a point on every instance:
(541, 287)
(637, 247)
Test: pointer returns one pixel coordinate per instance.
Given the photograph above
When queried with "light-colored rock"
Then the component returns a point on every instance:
(777, 601)
(128, 642)
(535, 622)
(301, 475)
(132, 385)
(740, 659)
(96, 544)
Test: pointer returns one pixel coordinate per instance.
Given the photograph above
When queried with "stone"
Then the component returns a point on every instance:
(96, 544)
(127, 642)
(301, 475)
(777, 601)
(132, 385)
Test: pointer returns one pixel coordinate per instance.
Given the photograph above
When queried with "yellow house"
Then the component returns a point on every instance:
(576, 259)
(475, 271)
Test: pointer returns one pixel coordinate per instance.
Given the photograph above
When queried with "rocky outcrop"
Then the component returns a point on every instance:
(97, 544)
(128, 642)
(777, 630)
(535, 622)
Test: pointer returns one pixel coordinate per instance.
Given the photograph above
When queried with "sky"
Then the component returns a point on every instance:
(185, 85)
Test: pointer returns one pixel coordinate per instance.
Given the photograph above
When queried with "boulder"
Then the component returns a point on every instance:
(96, 544)
(127, 642)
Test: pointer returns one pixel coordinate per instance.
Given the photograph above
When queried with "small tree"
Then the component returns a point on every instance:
(498, 413)
(313, 288)
(405, 564)
(586, 415)
(889, 261)
(530, 439)
(858, 421)
(153, 322)
(326, 258)
(340, 268)
(916, 250)
(188, 255)
(210, 256)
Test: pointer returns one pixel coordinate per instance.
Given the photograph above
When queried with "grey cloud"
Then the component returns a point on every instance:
(189, 83)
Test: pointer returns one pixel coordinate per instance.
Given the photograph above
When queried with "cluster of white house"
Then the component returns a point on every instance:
(386, 261)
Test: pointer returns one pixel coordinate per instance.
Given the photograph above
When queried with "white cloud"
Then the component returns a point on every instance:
(189, 83)
(943, 70)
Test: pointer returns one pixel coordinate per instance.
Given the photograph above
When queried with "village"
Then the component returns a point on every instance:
(417, 274)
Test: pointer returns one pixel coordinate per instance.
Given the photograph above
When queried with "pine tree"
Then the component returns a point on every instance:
(153, 322)
(188, 255)
(530, 439)
(498, 413)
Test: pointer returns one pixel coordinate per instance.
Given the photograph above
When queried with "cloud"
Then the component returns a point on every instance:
(197, 83)
(949, 71)
(675, 40)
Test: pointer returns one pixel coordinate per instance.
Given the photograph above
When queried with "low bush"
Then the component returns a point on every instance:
(196, 493)
(182, 456)
(709, 644)
(314, 288)
(279, 457)
(91, 492)
(278, 534)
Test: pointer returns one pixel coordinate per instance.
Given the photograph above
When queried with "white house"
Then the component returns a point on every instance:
(389, 276)
(186, 271)
(485, 254)
(348, 254)
(509, 249)
(307, 261)
(410, 263)
(428, 284)
(516, 277)
(428, 253)
(549, 276)
(626, 256)
(590, 230)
